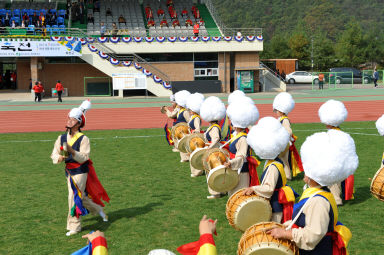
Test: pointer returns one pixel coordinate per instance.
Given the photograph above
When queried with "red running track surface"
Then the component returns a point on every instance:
(150, 117)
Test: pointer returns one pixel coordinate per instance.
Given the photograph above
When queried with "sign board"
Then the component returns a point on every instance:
(40, 49)
(129, 81)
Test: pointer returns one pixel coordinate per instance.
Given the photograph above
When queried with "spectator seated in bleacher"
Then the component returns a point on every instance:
(149, 14)
(160, 13)
(151, 23)
(35, 18)
(102, 29)
(173, 14)
(22, 24)
(184, 13)
(188, 22)
(114, 30)
(197, 14)
(164, 23)
(147, 8)
(122, 20)
(90, 19)
(175, 23)
(96, 6)
(201, 22)
(193, 8)
(108, 12)
(7, 20)
(42, 18)
(26, 18)
(169, 2)
(13, 25)
(52, 19)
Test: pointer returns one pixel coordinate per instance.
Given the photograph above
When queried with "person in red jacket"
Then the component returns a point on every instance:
(196, 29)
(59, 89)
(41, 90)
(164, 23)
(184, 12)
(160, 13)
(175, 23)
(188, 22)
(36, 89)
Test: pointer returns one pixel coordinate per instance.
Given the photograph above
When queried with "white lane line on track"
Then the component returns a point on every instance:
(92, 138)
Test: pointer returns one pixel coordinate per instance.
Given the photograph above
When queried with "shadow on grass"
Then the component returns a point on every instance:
(361, 195)
(119, 214)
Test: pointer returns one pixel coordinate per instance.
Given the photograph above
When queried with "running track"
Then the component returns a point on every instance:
(150, 117)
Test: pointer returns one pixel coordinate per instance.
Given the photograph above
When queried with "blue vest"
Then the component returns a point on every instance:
(209, 138)
(274, 201)
(192, 123)
(233, 150)
(180, 118)
(324, 247)
(83, 168)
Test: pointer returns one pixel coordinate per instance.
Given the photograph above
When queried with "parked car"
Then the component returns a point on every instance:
(301, 77)
(348, 75)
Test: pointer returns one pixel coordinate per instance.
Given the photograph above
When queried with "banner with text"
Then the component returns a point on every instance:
(129, 81)
(40, 49)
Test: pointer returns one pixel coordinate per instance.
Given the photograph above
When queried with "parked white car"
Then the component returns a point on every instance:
(301, 77)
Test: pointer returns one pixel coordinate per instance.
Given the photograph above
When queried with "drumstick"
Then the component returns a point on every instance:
(222, 146)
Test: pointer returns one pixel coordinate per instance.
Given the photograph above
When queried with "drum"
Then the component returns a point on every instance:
(195, 141)
(377, 185)
(220, 178)
(197, 158)
(179, 131)
(255, 240)
(244, 211)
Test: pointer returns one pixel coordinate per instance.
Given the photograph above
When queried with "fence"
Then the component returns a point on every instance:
(346, 80)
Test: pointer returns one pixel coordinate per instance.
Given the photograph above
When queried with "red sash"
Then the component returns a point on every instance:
(253, 163)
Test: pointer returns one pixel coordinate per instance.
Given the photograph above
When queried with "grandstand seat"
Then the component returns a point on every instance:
(49, 29)
(31, 29)
(17, 20)
(2, 12)
(61, 13)
(54, 11)
(31, 12)
(55, 29)
(61, 29)
(43, 11)
(16, 12)
(60, 20)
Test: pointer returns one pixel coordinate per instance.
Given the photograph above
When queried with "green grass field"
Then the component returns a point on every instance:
(154, 202)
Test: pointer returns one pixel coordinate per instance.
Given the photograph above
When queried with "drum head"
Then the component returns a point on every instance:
(181, 146)
(221, 179)
(252, 211)
(377, 185)
(192, 136)
(268, 248)
(173, 130)
(197, 158)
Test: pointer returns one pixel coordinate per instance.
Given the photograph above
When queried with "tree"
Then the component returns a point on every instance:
(300, 49)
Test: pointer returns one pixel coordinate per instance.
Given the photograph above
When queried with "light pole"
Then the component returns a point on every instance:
(312, 54)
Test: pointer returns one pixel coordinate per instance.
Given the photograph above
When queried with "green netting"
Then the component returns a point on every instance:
(368, 74)
(334, 80)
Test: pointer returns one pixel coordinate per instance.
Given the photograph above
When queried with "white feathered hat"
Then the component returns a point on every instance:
(194, 102)
(172, 98)
(242, 114)
(79, 113)
(284, 103)
(235, 95)
(161, 252)
(181, 97)
(329, 157)
(380, 125)
(268, 138)
(212, 109)
(333, 113)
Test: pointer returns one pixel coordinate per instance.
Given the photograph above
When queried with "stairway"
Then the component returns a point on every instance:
(269, 81)
(106, 67)
(210, 24)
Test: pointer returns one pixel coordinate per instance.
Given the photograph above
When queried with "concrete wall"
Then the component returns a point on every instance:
(71, 76)
(176, 71)
(225, 71)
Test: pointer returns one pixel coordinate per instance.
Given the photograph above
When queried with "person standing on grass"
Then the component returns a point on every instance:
(375, 77)
(328, 157)
(84, 188)
(59, 88)
(332, 113)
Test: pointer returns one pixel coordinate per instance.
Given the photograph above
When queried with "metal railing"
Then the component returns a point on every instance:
(41, 32)
(132, 57)
(216, 17)
(272, 72)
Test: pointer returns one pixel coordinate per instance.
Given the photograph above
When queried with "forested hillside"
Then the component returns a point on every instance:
(342, 32)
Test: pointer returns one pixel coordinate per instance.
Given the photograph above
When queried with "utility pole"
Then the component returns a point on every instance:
(312, 54)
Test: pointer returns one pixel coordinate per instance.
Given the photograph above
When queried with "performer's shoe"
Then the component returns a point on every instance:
(213, 196)
(103, 215)
(105, 219)
(184, 160)
(175, 150)
(193, 176)
(71, 232)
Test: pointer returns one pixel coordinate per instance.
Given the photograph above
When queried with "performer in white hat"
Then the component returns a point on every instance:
(74, 148)
(235, 95)
(172, 115)
(328, 157)
(380, 129)
(333, 113)
(183, 115)
(283, 104)
(268, 139)
(161, 252)
(242, 114)
(194, 104)
(213, 110)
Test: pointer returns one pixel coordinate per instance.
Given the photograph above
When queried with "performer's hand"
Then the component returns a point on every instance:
(207, 226)
(248, 191)
(93, 235)
(280, 233)
(227, 164)
(60, 159)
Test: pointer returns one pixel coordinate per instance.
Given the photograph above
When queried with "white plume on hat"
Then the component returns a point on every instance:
(161, 252)
(79, 113)
(242, 99)
(194, 102)
(329, 157)
(234, 95)
(242, 114)
(380, 125)
(268, 138)
(333, 113)
(212, 109)
(172, 98)
(181, 97)
(85, 106)
(284, 102)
